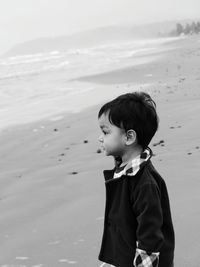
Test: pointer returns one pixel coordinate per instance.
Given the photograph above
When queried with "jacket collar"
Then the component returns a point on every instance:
(131, 169)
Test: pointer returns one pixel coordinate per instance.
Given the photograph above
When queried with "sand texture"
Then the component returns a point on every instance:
(51, 185)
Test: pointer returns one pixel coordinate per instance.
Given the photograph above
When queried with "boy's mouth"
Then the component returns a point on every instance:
(103, 148)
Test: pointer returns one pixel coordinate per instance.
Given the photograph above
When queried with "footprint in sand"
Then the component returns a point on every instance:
(173, 127)
(62, 155)
(190, 152)
(161, 142)
(73, 172)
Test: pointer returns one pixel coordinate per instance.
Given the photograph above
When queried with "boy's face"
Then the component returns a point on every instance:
(112, 138)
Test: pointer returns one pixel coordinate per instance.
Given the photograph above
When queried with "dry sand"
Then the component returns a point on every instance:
(51, 185)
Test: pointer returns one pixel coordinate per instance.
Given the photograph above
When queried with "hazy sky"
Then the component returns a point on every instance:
(22, 20)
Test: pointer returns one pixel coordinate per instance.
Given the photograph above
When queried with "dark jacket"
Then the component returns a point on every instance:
(137, 209)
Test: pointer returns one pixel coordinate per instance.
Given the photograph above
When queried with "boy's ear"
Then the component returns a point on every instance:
(131, 137)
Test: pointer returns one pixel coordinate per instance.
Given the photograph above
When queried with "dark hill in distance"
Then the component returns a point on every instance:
(90, 38)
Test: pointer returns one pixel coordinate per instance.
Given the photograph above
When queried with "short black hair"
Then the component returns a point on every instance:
(136, 111)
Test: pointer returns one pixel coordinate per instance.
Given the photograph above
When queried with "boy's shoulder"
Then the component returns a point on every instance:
(148, 175)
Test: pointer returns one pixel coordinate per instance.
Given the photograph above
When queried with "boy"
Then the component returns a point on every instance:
(138, 228)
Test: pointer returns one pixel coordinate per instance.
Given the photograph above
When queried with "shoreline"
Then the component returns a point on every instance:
(82, 92)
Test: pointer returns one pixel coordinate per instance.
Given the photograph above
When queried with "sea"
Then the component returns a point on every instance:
(41, 85)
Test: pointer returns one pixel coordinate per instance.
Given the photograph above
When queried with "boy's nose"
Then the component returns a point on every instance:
(100, 139)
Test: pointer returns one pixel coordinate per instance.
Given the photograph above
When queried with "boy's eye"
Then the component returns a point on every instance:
(105, 132)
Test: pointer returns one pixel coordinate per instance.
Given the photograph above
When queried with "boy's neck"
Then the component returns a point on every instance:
(131, 154)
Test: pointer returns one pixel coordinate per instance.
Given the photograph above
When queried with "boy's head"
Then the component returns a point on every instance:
(133, 115)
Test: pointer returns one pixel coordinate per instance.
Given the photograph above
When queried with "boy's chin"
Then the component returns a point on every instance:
(107, 153)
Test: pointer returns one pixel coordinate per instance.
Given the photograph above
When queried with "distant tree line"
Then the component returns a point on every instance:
(188, 29)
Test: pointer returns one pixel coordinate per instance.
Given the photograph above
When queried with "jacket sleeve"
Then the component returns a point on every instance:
(148, 211)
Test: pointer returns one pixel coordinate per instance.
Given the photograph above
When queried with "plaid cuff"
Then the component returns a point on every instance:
(144, 259)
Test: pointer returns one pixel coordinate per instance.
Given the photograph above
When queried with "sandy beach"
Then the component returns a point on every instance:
(51, 185)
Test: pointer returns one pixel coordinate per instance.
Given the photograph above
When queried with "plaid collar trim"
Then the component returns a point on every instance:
(133, 166)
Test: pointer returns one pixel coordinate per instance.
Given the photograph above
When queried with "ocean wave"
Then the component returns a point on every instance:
(41, 57)
(33, 71)
(35, 58)
(78, 60)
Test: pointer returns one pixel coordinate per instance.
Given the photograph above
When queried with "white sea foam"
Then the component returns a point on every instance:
(31, 58)
(56, 118)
